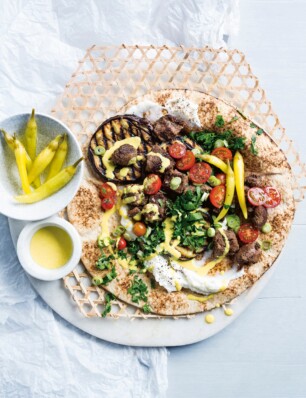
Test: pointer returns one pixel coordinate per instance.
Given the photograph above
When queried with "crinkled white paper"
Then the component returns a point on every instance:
(40, 44)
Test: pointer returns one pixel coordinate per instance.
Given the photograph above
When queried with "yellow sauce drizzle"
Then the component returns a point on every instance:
(124, 171)
(108, 164)
(201, 299)
(165, 161)
(177, 286)
(209, 318)
(51, 247)
(228, 311)
(168, 236)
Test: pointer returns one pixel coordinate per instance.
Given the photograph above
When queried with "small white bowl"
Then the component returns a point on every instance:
(34, 269)
(48, 128)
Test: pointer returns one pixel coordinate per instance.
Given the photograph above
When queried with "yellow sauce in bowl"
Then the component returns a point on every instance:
(51, 247)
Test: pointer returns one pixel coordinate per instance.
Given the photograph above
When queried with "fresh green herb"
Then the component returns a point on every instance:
(122, 254)
(226, 206)
(254, 150)
(97, 280)
(253, 125)
(146, 309)
(233, 119)
(104, 261)
(259, 131)
(144, 246)
(207, 139)
(153, 283)
(108, 304)
(138, 290)
(233, 221)
(219, 121)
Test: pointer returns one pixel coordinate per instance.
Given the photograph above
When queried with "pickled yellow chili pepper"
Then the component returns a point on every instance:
(59, 158)
(51, 186)
(44, 158)
(10, 142)
(238, 164)
(229, 194)
(20, 156)
(214, 161)
(31, 135)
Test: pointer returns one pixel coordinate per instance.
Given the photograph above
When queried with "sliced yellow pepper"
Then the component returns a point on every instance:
(20, 156)
(31, 135)
(44, 158)
(229, 194)
(239, 182)
(51, 186)
(59, 158)
(214, 161)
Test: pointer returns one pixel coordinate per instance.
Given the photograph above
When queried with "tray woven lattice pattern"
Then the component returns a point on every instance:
(108, 77)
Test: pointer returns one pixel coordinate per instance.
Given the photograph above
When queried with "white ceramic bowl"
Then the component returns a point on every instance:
(48, 128)
(26, 260)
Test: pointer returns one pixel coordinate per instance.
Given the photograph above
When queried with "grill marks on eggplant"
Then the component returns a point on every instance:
(116, 129)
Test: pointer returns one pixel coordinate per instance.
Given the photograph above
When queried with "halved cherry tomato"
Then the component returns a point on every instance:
(152, 184)
(217, 196)
(223, 153)
(107, 203)
(106, 191)
(221, 177)
(273, 197)
(121, 243)
(256, 196)
(186, 162)
(200, 173)
(139, 228)
(247, 233)
(177, 150)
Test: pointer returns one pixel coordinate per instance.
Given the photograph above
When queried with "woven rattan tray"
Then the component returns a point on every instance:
(108, 77)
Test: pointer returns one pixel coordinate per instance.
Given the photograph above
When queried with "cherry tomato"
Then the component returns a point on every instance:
(152, 184)
(221, 177)
(121, 243)
(217, 196)
(107, 203)
(200, 173)
(186, 162)
(223, 153)
(256, 196)
(177, 150)
(139, 228)
(106, 191)
(273, 197)
(247, 233)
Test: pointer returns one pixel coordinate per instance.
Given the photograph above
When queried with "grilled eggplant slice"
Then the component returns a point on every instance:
(115, 129)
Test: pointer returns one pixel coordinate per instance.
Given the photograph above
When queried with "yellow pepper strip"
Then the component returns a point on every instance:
(20, 156)
(229, 194)
(10, 142)
(44, 158)
(51, 186)
(59, 158)
(31, 135)
(214, 161)
(238, 164)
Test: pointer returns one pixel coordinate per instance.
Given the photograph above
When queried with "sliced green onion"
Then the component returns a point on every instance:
(99, 150)
(97, 280)
(211, 232)
(233, 221)
(266, 228)
(214, 181)
(266, 245)
(175, 182)
(119, 230)
(219, 144)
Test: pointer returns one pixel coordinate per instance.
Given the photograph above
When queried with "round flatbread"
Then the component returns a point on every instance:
(270, 163)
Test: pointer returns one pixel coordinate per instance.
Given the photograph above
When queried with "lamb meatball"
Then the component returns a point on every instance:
(168, 127)
(182, 180)
(260, 216)
(219, 243)
(124, 154)
(248, 254)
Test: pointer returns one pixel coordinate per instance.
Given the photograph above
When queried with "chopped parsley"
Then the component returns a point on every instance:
(253, 125)
(144, 246)
(104, 261)
(219, 121)
(138, 290)
(146, 308)
(108, 304)
(208, 138)
(97, 280)
(259, 131)
(254, 150)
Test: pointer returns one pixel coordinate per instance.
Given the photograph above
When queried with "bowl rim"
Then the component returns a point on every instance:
(36, 270)
(28, 214)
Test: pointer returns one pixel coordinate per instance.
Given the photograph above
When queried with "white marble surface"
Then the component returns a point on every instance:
(263, 353)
